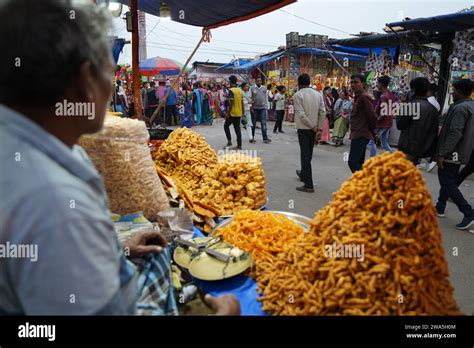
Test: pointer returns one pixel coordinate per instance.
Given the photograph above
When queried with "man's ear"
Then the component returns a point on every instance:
(84, 83)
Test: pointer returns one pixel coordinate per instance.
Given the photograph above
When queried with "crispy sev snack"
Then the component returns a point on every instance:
(186, 156)
(386, 209)
(262, 234)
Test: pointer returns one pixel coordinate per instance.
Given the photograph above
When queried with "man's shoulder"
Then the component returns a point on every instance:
(36, 176)
(364, 99)
(388, 95)
(465, 106)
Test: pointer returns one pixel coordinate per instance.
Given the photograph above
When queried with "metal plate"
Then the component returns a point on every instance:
(260, 208)
(301, 220)
(206, 267)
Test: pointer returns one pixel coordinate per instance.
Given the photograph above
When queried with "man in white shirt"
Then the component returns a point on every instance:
(431, 96)
(259, 106)
(309, 118)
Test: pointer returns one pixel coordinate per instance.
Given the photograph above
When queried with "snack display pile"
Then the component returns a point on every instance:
(386, 212)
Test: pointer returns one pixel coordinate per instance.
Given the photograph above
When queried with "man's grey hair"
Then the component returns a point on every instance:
(44, 43)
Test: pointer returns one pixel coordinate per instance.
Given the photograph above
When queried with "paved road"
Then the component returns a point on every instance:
(281, 158)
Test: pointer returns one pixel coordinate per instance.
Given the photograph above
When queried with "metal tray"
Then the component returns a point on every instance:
(301, 220)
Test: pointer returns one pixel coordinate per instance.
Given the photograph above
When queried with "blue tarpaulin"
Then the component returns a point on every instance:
(389, 40)
(117, 48)
(362, 51)
(444, 23)
(323, 52)
(302, 50)
(353, 50)
(262, 60)
(210, 13)
(234, 63)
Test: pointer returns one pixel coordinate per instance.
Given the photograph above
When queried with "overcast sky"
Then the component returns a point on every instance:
(265, 33)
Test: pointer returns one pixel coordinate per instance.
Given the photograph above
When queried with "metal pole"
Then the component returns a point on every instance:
(135, 64)
(334, 58)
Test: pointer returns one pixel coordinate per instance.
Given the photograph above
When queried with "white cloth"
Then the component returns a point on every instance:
(247, 97)
(432, 100)
(269, 96)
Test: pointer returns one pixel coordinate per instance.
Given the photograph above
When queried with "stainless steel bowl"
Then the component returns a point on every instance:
(301, 220)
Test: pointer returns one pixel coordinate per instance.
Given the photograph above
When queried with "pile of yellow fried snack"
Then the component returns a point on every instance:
(203, 215)
(187, 157)
(224, 185)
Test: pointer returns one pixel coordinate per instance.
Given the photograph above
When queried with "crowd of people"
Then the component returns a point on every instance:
(83, 268)
(443, 140)
(425, 134)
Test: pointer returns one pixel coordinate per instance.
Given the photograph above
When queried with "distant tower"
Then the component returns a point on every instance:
(142, 35)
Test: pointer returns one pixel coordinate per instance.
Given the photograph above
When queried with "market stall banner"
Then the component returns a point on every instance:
(210, 13)
(159, 65)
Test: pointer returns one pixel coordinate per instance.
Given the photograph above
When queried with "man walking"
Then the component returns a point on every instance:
(236, 111)
(384, 114)
(455, 145)
(280, 109)
(144, 96)
(363, 122)
(309, 118)
(259, 106)
(418, 122)
(170, 109)
(153, 102)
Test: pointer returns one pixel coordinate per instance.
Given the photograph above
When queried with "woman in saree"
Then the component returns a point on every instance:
(197, 103)
(185, 108)
(328, 103)
(342, 111)
(207, 117)
(215, 99)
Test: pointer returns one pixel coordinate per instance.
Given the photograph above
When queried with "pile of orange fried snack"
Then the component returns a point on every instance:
(386, 212)
(260, 233)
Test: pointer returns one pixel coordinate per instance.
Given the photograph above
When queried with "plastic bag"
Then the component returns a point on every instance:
(121, 154)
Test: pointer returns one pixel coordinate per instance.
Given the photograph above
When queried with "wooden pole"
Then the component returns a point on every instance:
(163, 101)
(135, 60)
(289, 69)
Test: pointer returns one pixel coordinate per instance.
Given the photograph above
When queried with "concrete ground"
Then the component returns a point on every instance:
(281, 159)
